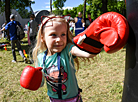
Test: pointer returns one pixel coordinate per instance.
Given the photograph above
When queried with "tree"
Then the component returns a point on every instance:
(7, 14)
(95, 7)
(7, 10)
(7, 5)
(84, 9)
(80, 8)
(121, 7)
(65, 12)
(104, 6)
(98, 7)
(58, 11)
(58, 4)
(50, 6)
(73, 12)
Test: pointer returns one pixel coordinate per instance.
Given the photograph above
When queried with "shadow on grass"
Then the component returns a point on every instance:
(28, 51)
(25, 47)
(28, 62)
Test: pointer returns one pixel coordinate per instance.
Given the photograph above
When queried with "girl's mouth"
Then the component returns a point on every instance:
(58, 45)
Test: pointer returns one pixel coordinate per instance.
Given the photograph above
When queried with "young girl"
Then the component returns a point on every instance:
(55, 53)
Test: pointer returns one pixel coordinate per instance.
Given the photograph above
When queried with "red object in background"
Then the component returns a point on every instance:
(5, 47)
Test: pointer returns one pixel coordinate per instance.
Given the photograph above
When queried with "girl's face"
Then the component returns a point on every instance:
(55, 36)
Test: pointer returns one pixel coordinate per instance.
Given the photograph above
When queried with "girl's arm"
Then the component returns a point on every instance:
(80, 53)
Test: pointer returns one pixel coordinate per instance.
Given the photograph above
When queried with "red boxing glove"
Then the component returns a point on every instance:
(31, 78)
(110, 30)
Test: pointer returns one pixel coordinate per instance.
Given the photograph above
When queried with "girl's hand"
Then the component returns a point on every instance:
(80, 53)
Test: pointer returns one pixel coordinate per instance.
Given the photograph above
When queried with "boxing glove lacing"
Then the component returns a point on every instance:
(90, 42)
(57, 88)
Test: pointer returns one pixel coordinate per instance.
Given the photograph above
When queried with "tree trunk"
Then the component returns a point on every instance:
(50, 6)
(104, 6)
(31, 8)
(7, 10)
(84, 9)
(7, 13)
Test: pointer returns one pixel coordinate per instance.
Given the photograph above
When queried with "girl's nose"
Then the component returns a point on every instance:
(58, 39)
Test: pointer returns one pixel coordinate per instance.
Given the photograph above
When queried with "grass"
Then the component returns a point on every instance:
(101, 80)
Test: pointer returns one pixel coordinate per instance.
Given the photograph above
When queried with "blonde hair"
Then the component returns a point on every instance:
(41, 46)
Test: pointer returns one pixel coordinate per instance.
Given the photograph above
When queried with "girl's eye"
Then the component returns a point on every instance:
(53, 35)
(63, 34)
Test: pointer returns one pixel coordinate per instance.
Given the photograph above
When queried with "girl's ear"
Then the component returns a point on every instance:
(42, 38)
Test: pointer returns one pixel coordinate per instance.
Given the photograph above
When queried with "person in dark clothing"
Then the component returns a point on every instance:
(79, 24)
(88, 20)
(32, 29)
(11, 26)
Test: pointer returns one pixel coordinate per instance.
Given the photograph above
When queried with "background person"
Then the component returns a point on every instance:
(5, 31)
(71, 24)
(32, 29)
(79, 24)
(88, 20)
(13, 37)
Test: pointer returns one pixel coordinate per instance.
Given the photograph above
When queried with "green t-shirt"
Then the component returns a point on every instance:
(69, 85)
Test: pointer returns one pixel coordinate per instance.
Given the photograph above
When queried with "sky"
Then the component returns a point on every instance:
(45, 4)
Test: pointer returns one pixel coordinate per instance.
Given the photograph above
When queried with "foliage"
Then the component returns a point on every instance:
(19, 5)
(24, 12)
(2, 5)
(58, 12)
(58, 4)
(119, 6)
(65, 12)
(73, 12)
(16, 4)
(80, 9)
(95, 8)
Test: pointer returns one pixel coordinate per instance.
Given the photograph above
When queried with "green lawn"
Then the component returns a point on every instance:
(101, 80)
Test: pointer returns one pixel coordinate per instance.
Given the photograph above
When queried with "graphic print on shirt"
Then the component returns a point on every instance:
(52, 77)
